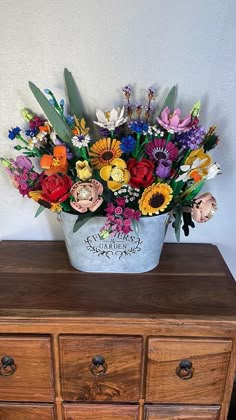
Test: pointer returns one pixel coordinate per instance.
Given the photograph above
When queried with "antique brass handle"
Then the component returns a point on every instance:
(185, 369)
(7, 367)
(98, 366)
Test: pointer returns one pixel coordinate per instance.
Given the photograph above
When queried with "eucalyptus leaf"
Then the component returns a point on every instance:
(135, 226)
(76, 104)
(60, 126)
(177, 222)
(82, 219)
(170, 99)
(39, 211)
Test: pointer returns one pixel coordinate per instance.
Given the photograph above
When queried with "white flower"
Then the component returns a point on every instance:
(188, 168)
(112, 119)
(213, 170)
(80, 141)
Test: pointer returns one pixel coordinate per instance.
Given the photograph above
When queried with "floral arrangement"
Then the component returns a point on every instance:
(137, 165)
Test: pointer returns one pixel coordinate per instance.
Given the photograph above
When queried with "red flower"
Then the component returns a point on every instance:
(56, 188)
(141, 172)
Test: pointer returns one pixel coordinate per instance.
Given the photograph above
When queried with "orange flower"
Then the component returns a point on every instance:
(56, 163)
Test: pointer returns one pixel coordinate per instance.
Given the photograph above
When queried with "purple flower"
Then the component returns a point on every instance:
(192, 139)
(23, 162)
(171, 121)
(163, 168)
(13, 133)
(127, 90)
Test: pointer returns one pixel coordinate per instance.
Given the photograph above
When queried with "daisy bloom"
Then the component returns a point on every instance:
(111, 119)
(116, 174)
(172, 122)
(104, 151)
(158, 149)
(155, 199)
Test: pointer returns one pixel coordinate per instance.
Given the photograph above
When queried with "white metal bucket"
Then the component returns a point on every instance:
(118, 254)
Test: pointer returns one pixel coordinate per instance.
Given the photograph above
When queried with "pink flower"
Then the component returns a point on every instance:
(172, 122)
(86, 195)
(120, 201)
(110, 208)
(118, 210)
(128, 213)
(204, 208)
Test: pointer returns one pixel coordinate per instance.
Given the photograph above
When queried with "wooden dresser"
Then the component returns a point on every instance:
(82, 346)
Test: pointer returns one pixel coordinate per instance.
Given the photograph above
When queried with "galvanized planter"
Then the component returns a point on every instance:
(119, 254)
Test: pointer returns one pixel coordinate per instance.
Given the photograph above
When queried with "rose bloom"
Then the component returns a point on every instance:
(141, 172)
(56, 188)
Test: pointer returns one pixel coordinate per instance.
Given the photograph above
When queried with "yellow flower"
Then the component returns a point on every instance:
(37, 196)
(199, 154)
(104, 151)
(155, 199)
(115, 174)
(84, 171)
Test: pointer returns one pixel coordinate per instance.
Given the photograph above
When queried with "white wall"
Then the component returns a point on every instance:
(109, 43)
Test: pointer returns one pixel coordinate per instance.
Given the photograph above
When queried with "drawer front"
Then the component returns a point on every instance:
(181, 412)
(100, 412)
(100, 368)
(187, 370)
(26, 369)
(26, 412)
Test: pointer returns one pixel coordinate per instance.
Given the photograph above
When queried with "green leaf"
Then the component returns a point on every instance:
(62, 129)
(170, 99)
(194, 191)
(76, 104)
(135, 226)
(82, 219)
(39, 211)
(177, 222)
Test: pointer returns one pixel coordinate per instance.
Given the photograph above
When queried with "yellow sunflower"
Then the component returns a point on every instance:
(104, 151)
(155, 199)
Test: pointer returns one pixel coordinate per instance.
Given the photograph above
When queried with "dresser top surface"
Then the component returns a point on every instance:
(191, 280)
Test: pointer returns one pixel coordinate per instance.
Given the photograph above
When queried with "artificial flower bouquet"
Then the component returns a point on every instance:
(141, 162)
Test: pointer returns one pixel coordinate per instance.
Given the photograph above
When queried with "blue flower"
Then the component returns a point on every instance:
(70, 120)
(13, 133)
(128, 144)
(31, 133)
(138, 127)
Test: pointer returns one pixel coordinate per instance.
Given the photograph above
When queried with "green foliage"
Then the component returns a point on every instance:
(76, 104)
(39, 211)
(82, 219)
(170, 99)
(60, 126)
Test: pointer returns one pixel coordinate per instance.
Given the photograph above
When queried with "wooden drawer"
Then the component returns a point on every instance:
(84, 376)
(26, 412)
(169, 412)
(30, 376)
(169, 382)
(100, 412)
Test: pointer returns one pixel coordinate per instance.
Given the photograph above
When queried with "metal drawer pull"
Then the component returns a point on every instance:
(185, 369)
(98, 366)
(7, 367)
